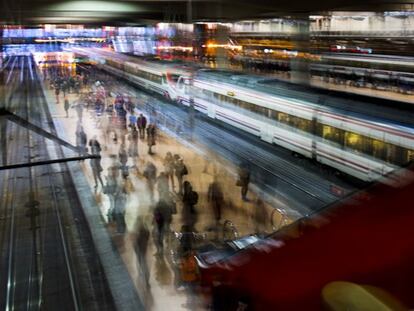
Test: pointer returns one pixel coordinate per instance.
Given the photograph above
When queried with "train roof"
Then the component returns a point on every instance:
(358, 105)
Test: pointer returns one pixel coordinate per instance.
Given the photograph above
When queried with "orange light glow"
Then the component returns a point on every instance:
(177, 48)
(226, 46)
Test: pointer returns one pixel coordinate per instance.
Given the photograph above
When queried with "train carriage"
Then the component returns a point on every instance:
(359, 145)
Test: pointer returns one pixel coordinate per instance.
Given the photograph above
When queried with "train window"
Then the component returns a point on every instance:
(394, 154)
(283, 117)
(274, 114)
(410, 155)
(330, 133)
(207, 92)
(398, 155)
(269, 113)
(265, 111)
(358, 143)
(379, 149)
(301, 124)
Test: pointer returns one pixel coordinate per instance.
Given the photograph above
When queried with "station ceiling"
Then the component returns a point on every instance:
(150, 11)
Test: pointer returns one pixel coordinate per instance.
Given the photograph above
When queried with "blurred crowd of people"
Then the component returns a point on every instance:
(171, 195)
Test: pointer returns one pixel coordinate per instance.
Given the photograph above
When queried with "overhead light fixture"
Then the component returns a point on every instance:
(93, 6)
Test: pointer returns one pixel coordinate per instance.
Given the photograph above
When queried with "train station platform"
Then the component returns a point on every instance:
(241, 217)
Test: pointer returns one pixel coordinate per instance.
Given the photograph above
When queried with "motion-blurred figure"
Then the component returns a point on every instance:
(111, 190)
(244, 180)
(95, 146)
(79, 109)
(81, 141)
(216, 198)
(163, 187)
(123, 159)
(150, 173)
(180, 170)
(65, 87)
(57, 91)
(260, 216)
(66, 106)
(142, 124)
(190, 199)
(141, 247)
(96, 171)
(132, 119)
(169, 168)
(118, 212)
(151, 136)
(159, 229)
(133, 145)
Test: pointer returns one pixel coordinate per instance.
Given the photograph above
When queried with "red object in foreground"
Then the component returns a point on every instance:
(366, 239)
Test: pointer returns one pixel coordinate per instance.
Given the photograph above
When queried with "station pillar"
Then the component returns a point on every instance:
(222, 37)
(300, 65)
(2, 72)
(3, 121)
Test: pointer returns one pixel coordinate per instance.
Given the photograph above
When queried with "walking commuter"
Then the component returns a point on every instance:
(79, 110)
(132, 119)
(96, 171)
(95, 146)
(65, 87)
(71, 84)
(66, 106)
(151, 132)
(123, 159)
(57, 92)
(159, 222)
(81, 141)
(260, 216)
(77, 85)
(141, 247)
(121, 117)
(133, 145)
(163, 217)
(150, 173)
(169, 168)
(163, 187)
(106, 130)
(168, 209)
(142, 124)
(190, 199)
(180, 170)
(216, 198)
(111, 190)
(244, 180)
(119, 210)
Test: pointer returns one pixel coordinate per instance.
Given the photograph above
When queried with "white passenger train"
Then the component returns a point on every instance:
(361, 146)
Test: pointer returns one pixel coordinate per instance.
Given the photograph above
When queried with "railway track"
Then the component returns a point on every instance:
(46, 262)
